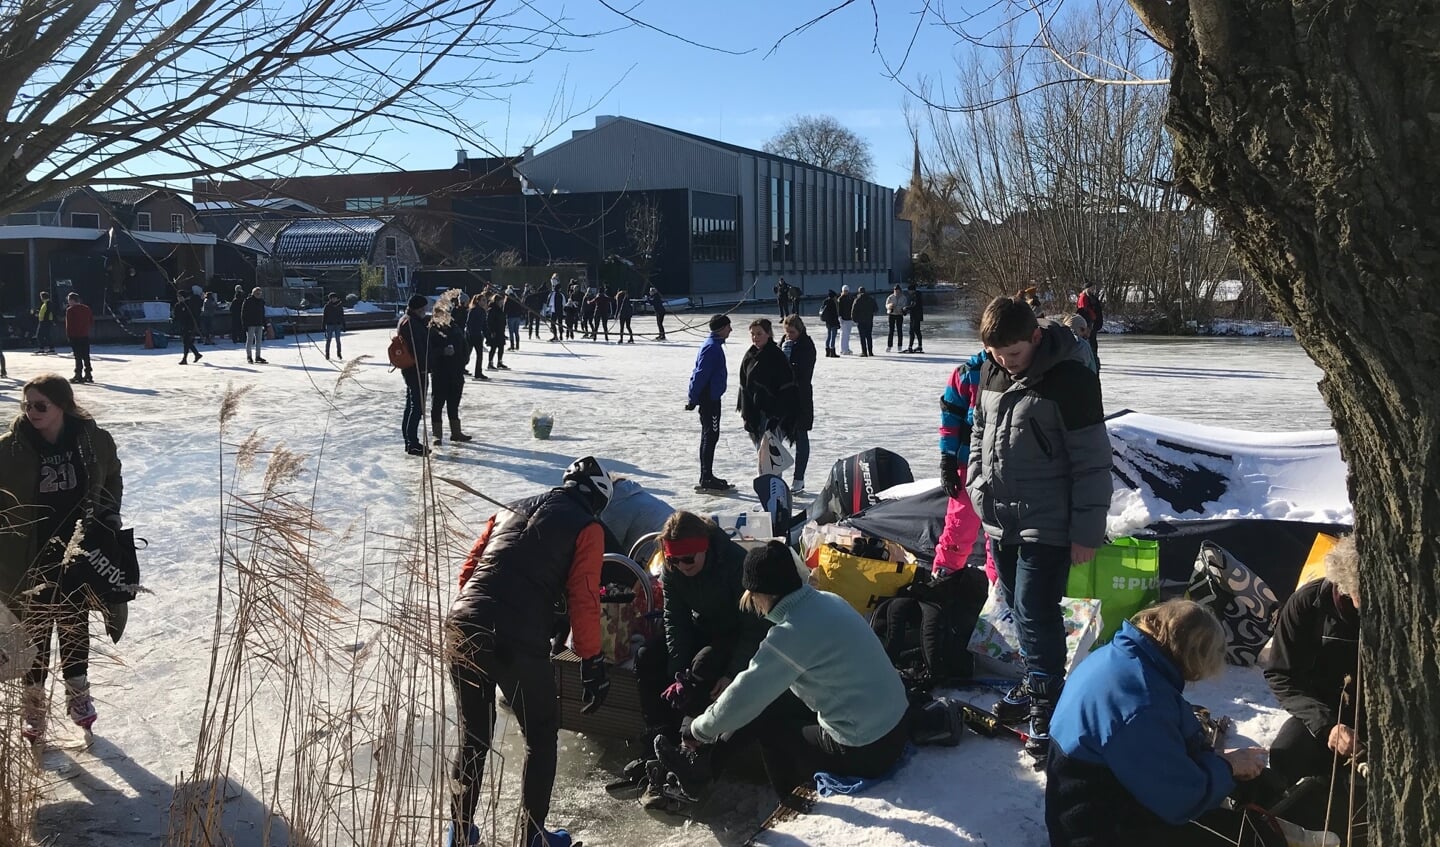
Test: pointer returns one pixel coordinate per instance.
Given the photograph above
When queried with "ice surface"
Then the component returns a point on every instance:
(624, 404)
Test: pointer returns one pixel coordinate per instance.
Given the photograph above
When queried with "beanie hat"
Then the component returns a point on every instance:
(770, 570)
(417, 301)
(719, 322)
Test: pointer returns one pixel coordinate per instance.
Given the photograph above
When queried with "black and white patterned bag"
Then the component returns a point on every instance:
(1245, 605)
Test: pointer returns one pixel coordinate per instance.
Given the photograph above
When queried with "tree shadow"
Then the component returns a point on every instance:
(122, 803)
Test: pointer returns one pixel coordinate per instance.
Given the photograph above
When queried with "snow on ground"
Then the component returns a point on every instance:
(624, 404)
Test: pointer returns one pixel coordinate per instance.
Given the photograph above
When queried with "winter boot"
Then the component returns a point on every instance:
(1014, 707)
(542, 838)
(78, 701)
(470, 838)
(690, 768)
(33, 717)
(456, 434)
(1044, 691)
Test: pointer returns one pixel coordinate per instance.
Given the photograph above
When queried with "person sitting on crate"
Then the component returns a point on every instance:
(819, 652)
(707, 640)
(531, 556)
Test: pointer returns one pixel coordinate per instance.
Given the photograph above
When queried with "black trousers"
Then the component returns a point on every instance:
(896, 335)
(652, 677)
(1215, 828)
(1297, 754)
(660, 322)
(917, 341)
(81, 348)
(794, 747)
(528, 682)
(445, 394)
(709, 436)
(624, 328)
(66, 615)
(188, 347)
(867, 339)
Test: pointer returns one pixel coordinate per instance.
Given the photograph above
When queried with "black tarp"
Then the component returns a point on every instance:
(913, 522)
(1274, 550)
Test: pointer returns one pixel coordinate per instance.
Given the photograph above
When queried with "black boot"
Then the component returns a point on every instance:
(1044, 692)
(1014, 707)
(689, 768)
(456, 434)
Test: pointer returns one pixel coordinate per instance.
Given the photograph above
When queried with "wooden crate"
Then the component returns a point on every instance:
(620, 717)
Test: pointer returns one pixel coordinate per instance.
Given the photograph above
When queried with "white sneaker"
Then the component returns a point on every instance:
(1297, 836)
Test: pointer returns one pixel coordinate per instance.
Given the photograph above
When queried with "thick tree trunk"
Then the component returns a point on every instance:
(1312, 129)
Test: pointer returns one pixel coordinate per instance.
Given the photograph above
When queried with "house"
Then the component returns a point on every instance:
(332, 250)
(110, 246)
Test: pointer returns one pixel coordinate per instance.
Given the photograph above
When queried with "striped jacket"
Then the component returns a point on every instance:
(957, 408)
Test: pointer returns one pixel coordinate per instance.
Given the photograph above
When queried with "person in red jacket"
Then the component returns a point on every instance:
(79, 321)
(535, 553)
(1093, 311)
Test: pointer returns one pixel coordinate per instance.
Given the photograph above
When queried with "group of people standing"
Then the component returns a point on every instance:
(844, 313)
(591, 309)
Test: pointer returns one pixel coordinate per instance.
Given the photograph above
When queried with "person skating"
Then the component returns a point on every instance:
(845, 305)
(572, 312)
(45, 328)
(782, 297)
(253, 317)
(707, 387)
(1311, 670)
(799, 348)
(1092, 309)
(532, 555)
(624, 311)
(1129, 763)
(957, 420)
(657, 303)
(767, 395)
(495, 333)
(604, 308)
(589, 327)
(476, 320)
(333, 320)
(79, 322)
(414, 332)
(895, 310)
(915, 309)
(448, 355)
(830, 316)
(862, 311)
(534, 300)
(57, 468)
(514, 315)
(185, 321)
(850, 715)
(555, 307)
(1039, 477)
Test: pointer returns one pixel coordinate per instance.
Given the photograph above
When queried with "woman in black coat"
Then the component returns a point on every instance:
(767, 386)
(496, 333)
(830, 316)
(448, 354)
(800, 350)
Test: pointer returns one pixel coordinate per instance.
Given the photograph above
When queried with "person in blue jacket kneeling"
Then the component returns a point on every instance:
(1128, 761)
(824, 654)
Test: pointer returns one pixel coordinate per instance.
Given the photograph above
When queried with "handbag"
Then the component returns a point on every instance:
(109, 563)
(1244, 603)
(1124, 576)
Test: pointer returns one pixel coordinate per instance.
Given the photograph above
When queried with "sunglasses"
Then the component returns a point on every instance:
(35, 406)
(680, 560)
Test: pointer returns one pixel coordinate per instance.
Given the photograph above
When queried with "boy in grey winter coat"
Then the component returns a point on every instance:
(1039, 476)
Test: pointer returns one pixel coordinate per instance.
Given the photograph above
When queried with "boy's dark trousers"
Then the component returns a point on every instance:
(81, 349)
(1032, 581)
(917, 341)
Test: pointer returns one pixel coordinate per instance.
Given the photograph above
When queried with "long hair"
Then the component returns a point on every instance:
(57, 390)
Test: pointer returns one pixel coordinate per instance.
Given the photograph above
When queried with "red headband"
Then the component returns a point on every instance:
(685, 546)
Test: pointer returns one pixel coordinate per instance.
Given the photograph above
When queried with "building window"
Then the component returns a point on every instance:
(862, 229)
(713, 240)
(400, 277)
(23, 219)
(85, 220)
(408, 201)
(177, 223)
(392, 245)
(142, 221)
(776, 251)
(363, 204)
(782, 220)
(788, 210)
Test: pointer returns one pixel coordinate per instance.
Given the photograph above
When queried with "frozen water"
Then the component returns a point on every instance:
(622, 403)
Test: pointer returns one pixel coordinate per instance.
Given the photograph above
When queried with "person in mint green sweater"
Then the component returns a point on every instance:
(825, 654)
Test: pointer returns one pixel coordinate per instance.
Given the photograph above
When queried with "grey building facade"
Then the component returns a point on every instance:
(777, 217)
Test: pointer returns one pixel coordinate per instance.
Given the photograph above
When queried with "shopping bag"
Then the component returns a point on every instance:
(626, 619)
(1244, 603)
(1124, 576)
(108, 563)
(16, 652)
(774, 456)
(996, 640)
(861, 581)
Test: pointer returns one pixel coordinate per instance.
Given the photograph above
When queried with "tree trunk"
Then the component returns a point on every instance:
(1312, 129)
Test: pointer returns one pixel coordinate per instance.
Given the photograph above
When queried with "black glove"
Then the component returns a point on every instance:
(116, 615)
(595, 684)
(689, 407)
(950, 476)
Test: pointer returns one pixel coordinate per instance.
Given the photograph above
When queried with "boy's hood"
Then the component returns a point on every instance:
(1057, 344)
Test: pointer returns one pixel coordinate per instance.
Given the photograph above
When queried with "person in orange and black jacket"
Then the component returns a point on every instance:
(532, 555)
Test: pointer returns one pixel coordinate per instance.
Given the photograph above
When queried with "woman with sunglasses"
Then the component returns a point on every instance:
(768, 391)
(58, 468)
(707, 640)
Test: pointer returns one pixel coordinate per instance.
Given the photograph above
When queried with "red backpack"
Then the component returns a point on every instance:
(399, 353)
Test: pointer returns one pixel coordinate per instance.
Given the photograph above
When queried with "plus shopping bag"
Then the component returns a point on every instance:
(1124, 576)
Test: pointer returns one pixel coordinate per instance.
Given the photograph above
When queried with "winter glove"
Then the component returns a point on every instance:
(116, 615)
(950, 478)
(595, 684)
(678, 694)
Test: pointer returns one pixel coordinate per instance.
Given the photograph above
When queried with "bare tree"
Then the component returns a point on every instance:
(642, 229)
(147, 91)
(822, 141)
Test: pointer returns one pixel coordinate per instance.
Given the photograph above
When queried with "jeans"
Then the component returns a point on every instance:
(253, 337)
(867, 340)
(709, 437)
(528, 682)
(1032, 581)
(917, 341)
(845, 328)
(80, 347)
(896, 335)
(414, 406)
(513, 324)
(332, 331)
(802, 453)
(831, 334)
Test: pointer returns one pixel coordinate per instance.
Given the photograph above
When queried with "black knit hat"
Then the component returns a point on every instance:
(770, 570)
(418, 301)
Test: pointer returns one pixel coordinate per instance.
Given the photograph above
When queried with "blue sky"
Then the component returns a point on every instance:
(830, 69)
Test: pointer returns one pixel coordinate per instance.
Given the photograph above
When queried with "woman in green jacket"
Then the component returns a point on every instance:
(825, 654)
(58, 471)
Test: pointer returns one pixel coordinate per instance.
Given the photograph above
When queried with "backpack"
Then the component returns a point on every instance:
(926, 628)
(399, 353)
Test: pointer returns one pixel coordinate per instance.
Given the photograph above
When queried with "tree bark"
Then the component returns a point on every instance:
(1312, 129)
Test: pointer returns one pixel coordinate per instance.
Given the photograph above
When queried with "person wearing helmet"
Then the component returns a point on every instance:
(532, 555)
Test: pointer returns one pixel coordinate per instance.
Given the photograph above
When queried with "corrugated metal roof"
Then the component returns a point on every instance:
(328, 240)
(125, 196)
(257, 235)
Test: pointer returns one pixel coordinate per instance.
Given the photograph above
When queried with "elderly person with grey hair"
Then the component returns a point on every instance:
(1312, 670)
(1081, 328)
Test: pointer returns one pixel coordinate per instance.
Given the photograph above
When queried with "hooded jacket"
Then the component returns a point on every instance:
(705, 609)
(767, 388)
(1313, 659)
(845, 303)
(1039, 468)
(801, 354)
(826, 654)
(633, 513)
(19, 479)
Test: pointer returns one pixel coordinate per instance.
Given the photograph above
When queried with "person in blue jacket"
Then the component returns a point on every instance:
(707, 386)
(822, 653)
(1128, 762)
